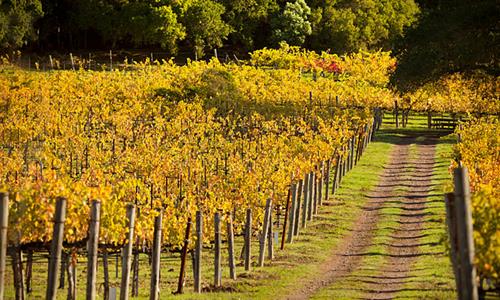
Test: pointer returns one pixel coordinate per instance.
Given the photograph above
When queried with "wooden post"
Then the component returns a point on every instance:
(351, 161)
(197, 256)
(348, 158)
(311, 193)
(248, 238)
(72, 61)
(372, 130)
(356, 147)
(327, 179)
(263, 237)
(127, 254)
(117, 262)
(135, 268)
(320, 183)
(111, 69)
(217, 256)
(182, 273)
(285, 222)
(359, 147)
(29, 271)
(396, 112)
(345, 163)
(71, 269)
(297, 208)
(316, 194)
(451, 220)
(4, 222)
(341, 168)
(112, 293)
(305, 199)
(465, 233)
(62, 274)
(230, 248)
(335, 182)
(17, 270)
(429, 119)
(293, 215)
(155, 265)
(92, 247)
(270, 237)
(105, 269)
(366, 140)
(56, 248)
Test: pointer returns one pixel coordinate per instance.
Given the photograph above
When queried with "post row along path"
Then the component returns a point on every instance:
(404, 185)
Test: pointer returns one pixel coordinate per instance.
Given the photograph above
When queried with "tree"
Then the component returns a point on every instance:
(204, 25)
(147, 24)
(139, 22)
(346, 26)
(292, 24)
(452, 36)
(16, 22)
(249, 20)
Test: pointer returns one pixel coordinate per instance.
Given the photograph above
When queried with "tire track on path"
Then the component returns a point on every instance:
(349, 253)
(403, 250)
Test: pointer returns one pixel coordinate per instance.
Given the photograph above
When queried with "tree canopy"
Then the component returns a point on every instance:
(200, 25)
(16, 19)
(346, 25)
(292, 25)
(451, 36)
(430, 38)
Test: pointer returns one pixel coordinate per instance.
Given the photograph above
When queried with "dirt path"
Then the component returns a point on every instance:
(402, 250)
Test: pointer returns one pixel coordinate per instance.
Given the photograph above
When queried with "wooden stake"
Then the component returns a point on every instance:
(451, 220)
(62, 274)
(293, 214)
(127, 254)
(270, 237)
(464, 230)
(105, 268)
(310, 201)
(327, 179)
(155, 265)
(217, 256)
(29, 271)
(263, 237)
(248, 238)
(71, 269)
(56, 248)
(230, 249)
(305, 199)
(285, 222)
(92, 247)
(4, 222)
(182, 274)
(17, 270)
(297, 208)
(197, 256)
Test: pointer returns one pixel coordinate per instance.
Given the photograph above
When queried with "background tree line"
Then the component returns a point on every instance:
(430, 37)
(200, 25)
